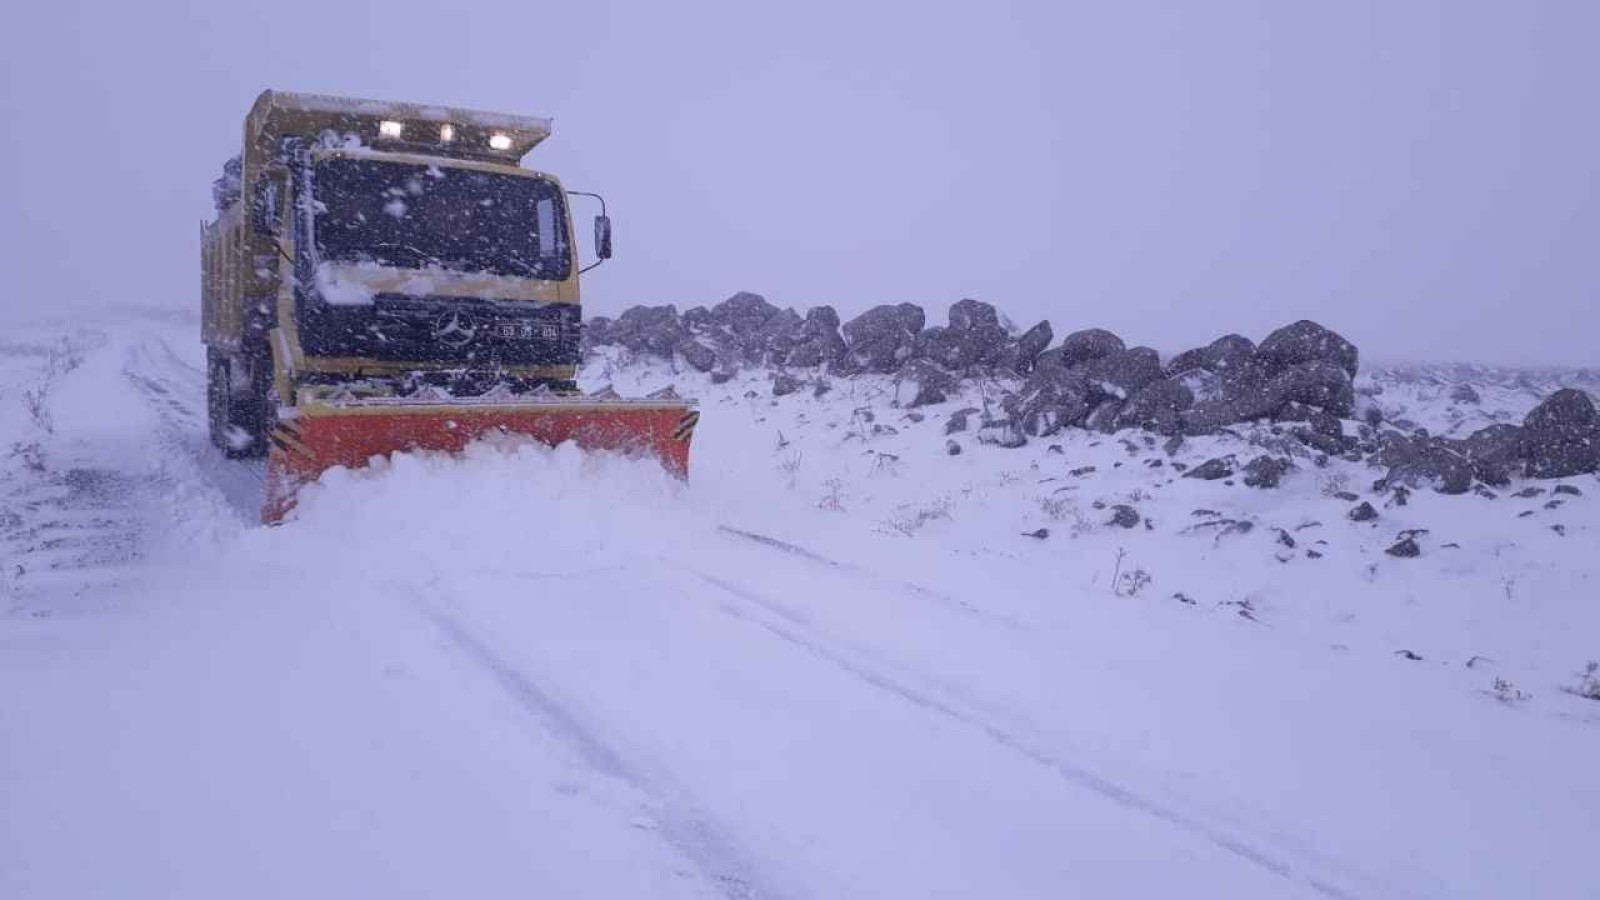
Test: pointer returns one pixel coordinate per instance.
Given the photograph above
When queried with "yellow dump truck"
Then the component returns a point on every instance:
(383, 277)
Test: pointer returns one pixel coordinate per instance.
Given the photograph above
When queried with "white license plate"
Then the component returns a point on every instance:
(523, 331)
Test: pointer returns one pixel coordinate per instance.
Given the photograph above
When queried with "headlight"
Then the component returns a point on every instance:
(447, 133)
(498, 141)
(390, 129)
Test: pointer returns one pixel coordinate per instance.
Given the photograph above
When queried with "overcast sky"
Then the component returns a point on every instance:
(1422, 176)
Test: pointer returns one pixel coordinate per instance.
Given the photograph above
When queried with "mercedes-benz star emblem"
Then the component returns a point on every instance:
(455, 329)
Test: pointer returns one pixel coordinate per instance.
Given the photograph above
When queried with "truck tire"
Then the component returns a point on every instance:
(236, 403)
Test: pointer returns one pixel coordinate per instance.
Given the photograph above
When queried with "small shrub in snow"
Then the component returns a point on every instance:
(1509, 693)
(910, 519)
(1588, 683)
(833, 500)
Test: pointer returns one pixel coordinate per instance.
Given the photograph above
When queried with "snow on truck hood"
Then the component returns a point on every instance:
(358, 284)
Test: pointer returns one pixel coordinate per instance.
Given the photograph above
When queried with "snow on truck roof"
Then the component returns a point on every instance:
(452, 130)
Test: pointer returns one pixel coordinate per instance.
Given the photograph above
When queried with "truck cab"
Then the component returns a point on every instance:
(374, 249)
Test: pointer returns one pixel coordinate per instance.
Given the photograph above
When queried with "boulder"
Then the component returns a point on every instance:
(655, 330)
(1025, 353)
(882, 338)
(1306, 341)
(1319, 384)
(1093, 343)
(1438, 467)
(1561, 436)
(700, 357)
(1156, 406)
(1050, 400)
(1495, 452)
(1002, 433)
(1228, 351)
(921, 382)
(1464, 393)
(958, 420)
(1362, 512)
(744, 313)
(1124, 516)
(1265, 471)
(966, 314)
(1212, 469)
(1103, 417)
(1121, 373)
(784, 384)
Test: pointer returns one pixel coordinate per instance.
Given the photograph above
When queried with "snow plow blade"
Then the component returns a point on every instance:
(326, 434)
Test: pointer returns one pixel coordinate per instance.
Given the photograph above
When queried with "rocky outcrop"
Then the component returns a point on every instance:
(1297, 384)
(1561, 436)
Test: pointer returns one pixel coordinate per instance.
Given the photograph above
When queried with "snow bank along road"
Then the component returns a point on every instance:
(528, 672)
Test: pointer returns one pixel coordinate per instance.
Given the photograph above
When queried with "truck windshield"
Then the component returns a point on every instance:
(422, 216)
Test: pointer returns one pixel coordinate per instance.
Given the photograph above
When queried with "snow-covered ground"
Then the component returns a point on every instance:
(838, 663)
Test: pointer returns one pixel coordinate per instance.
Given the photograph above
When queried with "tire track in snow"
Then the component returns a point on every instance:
(712, 852)
(794, 630)
(911, 587)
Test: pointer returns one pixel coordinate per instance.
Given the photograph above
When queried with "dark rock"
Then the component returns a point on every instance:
(655, 330)
(1040, 533)
(1002, 433)
(1265, 471)
(722, 376)
(1465, 393)
(1561, 436)
(1494, 451)
(1125, 516)
(1319, 384)
(1032, 343)
(1212, 469)
(1122, 373)
(1156, 406)
(821, 387)
(1405, 548)
(1093, 343)
(961, 348)
(958, 420)
(744, 313)
(1363, 512)
(967, 313)
(819, 340)
(1347, 496)
(1103, 418)
(1172, 445)
(784, 384)
(1227, 352)
(952, 447)
(1332, 446)
(597, 332)
(1568, 489)
(1437, 467)
(696, 318)
(922, 382)
(698, 355)
(883, 337)
(1051, 399)
(1081, 471)
(1399, 496)
(1529, 492)
(1307, 342)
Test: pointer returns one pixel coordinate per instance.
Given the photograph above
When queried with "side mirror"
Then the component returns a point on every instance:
(264, 208)
(602, 237)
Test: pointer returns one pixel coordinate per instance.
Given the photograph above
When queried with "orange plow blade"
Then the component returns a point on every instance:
(325, 435)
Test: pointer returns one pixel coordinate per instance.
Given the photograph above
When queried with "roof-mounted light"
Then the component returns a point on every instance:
(447, 133)
(390, 129)
(499, 141)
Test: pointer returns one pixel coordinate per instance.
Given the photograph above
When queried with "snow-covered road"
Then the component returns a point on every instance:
(528, 672)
